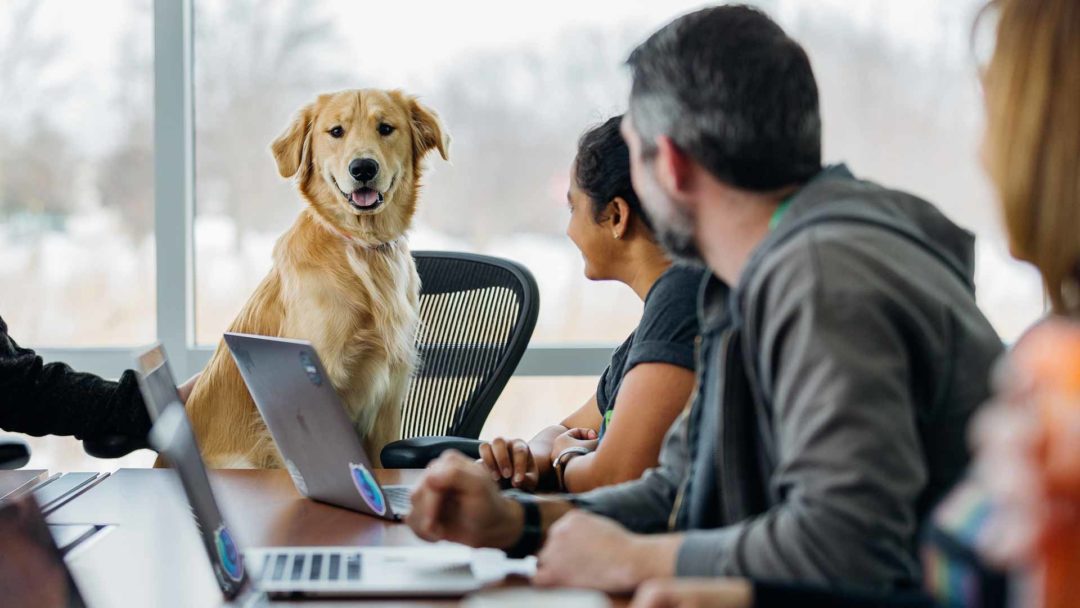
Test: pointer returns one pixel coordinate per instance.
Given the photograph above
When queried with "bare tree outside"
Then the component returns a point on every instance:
(35, 177)
(513, 146)
(257, 63)
(126, 173)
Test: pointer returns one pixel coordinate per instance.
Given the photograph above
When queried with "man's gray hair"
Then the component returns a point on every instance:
(733, 91)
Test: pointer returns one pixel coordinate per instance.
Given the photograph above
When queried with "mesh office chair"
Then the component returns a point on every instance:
(477, 314)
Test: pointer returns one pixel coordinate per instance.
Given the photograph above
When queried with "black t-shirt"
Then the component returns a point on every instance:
(665, 334)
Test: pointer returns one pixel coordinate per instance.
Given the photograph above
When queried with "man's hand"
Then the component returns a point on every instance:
(585, 438)
(511, 459)
(695, 593)
(585, 550)
(185, 389)
(457, 501)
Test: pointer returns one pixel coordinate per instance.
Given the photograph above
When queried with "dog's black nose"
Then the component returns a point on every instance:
(363, 169)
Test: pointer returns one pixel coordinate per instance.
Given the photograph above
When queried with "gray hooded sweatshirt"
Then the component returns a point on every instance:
(835, 385)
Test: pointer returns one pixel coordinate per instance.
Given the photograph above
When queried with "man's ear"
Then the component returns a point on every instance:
(673, 166)
(292, 149)
(428, 131)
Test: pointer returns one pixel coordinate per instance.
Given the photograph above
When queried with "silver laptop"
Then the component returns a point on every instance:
(307, 420)
(156, 380)
(433, 570)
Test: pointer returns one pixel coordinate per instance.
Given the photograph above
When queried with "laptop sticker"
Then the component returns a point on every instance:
(308, 363)
(368, 488)
(230, 558)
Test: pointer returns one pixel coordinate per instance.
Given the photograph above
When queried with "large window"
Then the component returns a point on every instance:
(901, 105)
(76, 172)
(516, 84)
(139, 201)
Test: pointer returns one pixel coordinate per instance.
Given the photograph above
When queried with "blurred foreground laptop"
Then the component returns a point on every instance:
(32, 571)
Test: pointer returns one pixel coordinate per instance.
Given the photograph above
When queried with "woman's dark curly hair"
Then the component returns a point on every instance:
(602, 169)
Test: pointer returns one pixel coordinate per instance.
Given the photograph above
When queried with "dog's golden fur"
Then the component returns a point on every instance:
(343, 276)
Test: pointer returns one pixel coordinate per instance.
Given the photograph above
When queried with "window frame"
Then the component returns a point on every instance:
(174, 205)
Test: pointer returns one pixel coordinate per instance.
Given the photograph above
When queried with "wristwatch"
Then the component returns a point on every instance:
(532, 533)
(565, 456)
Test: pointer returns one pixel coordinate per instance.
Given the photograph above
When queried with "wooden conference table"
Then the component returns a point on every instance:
(151, 553)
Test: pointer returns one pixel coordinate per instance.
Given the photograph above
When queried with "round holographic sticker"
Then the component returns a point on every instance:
(367, 486)
(229, 556)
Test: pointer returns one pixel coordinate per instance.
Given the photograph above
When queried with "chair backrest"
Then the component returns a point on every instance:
(477, 314)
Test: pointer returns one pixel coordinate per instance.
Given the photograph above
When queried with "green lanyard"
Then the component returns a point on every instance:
(779, 213)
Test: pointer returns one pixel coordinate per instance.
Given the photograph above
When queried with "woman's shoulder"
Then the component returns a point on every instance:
(683, 275)
(677, 288)
(671, 307)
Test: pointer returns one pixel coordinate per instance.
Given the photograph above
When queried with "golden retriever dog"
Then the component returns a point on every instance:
(343, 276)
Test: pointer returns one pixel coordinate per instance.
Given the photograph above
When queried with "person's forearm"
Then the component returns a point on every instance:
(582, 474)
(54, 399)
(540, 446)
(578, 474)
(598, 469)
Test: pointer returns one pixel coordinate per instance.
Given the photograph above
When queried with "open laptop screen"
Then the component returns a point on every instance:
(172, 437)
(156, 381)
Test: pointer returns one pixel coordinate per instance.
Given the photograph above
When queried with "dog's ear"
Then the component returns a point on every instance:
(292, 148)
(429, 133)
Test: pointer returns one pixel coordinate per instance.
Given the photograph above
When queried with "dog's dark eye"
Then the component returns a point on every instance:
(336, 131)
(385, 129)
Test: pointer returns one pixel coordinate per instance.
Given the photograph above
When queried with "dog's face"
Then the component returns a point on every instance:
(357, 156)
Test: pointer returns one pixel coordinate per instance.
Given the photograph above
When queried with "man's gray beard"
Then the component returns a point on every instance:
(674, 231)
(680, 247)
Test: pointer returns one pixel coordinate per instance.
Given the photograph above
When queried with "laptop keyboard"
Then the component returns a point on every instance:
(308, 566)
(400, 499)
(333, 566)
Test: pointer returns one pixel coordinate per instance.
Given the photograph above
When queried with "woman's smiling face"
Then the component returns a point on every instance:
(592, 238)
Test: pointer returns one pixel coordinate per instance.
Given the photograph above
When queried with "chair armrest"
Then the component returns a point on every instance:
(14, 453)
(417, 452)
(113, 446)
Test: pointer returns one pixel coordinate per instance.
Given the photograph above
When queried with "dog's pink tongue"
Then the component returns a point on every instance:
(365, 197)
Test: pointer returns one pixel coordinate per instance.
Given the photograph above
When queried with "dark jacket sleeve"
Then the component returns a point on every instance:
(645, 504)
(39, 398)
(849, 462)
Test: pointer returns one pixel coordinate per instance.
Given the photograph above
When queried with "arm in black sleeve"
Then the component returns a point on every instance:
(52, 399)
